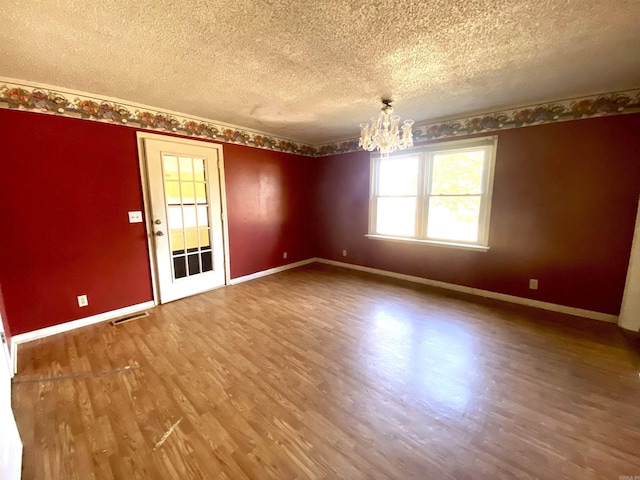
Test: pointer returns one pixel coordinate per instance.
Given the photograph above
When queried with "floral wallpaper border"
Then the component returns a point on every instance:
(51, 101)
(48, 100)
(608, 104)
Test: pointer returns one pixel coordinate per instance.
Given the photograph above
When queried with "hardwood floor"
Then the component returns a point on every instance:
(320, 372)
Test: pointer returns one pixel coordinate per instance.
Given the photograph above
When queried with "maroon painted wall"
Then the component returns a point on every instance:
(269, 199)
(564, 204)
(66, 186)
(563, 212)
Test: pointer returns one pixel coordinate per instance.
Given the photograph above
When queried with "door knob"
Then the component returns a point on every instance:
(158, 222)
(159, 234)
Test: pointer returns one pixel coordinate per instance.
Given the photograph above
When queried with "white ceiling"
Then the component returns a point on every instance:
(313, 70)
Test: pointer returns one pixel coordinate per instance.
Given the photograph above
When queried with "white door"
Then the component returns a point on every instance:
(630, 309)
(185, 215)
(10, 444)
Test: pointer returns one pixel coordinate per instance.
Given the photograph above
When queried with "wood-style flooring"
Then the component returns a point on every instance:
(323, 373)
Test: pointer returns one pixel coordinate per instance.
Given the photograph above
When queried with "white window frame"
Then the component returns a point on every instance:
(425, 167)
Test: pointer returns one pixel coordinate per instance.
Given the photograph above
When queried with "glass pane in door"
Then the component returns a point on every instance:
(187, 207)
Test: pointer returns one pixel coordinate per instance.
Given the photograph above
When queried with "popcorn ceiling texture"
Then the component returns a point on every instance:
(313, 70)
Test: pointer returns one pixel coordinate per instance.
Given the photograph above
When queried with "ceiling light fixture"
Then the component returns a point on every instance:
(383, 133)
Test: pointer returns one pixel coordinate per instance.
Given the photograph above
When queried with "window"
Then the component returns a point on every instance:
(439, 194)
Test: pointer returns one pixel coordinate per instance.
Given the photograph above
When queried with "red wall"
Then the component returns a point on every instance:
(269, 198)
(66, 186)
(564, 204)
(563, 212)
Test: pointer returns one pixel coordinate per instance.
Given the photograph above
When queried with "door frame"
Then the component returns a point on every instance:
(146, 196)
(9, 437)
(6, 353)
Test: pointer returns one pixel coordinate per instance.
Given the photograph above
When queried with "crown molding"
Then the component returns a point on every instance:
(40, 98)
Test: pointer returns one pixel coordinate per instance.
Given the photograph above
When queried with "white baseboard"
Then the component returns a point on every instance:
(271, 271)
(605, 317)
(82, 322)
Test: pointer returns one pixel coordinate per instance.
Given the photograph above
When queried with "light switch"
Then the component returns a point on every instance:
(135, 217)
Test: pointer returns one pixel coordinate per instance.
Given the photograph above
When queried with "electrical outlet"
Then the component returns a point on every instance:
(533, 283)
(284, 255)
(82, 301)
(344, 253)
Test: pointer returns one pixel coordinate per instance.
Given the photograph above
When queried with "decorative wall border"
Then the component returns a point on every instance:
(616, 103)
(16, 94)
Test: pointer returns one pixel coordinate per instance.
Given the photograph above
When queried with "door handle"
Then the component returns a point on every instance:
(159, 233)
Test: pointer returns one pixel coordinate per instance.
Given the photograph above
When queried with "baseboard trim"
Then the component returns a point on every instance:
(271, 271)
(579, 312)
(82, 322)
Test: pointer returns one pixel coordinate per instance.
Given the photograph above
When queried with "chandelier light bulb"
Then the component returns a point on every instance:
(384, 132)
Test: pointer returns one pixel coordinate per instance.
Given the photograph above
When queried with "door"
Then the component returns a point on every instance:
(630, 309)
(185, 210)
(10, 444)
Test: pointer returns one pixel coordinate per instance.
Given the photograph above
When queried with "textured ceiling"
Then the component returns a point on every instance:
(313, 70)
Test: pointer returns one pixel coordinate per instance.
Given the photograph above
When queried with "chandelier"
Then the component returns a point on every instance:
(383, 132)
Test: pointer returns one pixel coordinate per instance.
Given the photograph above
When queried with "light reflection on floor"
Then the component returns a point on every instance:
(423, 358)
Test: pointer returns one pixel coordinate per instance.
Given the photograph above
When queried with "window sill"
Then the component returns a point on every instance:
(461, 246)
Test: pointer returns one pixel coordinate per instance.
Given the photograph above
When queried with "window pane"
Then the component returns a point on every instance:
(190, 220)
(172, 193)
(458, 173)
(192, 240)
(203, 216)
(177, 241)
(186, 169)
(179, 267)
(396, 216)
(170, 167)
(204, 238)
(188, 194)
(207, 264)
(174, 215)
(201, 193)
(454, 218)
(198, 169)
(398, 176)
(194, 264)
